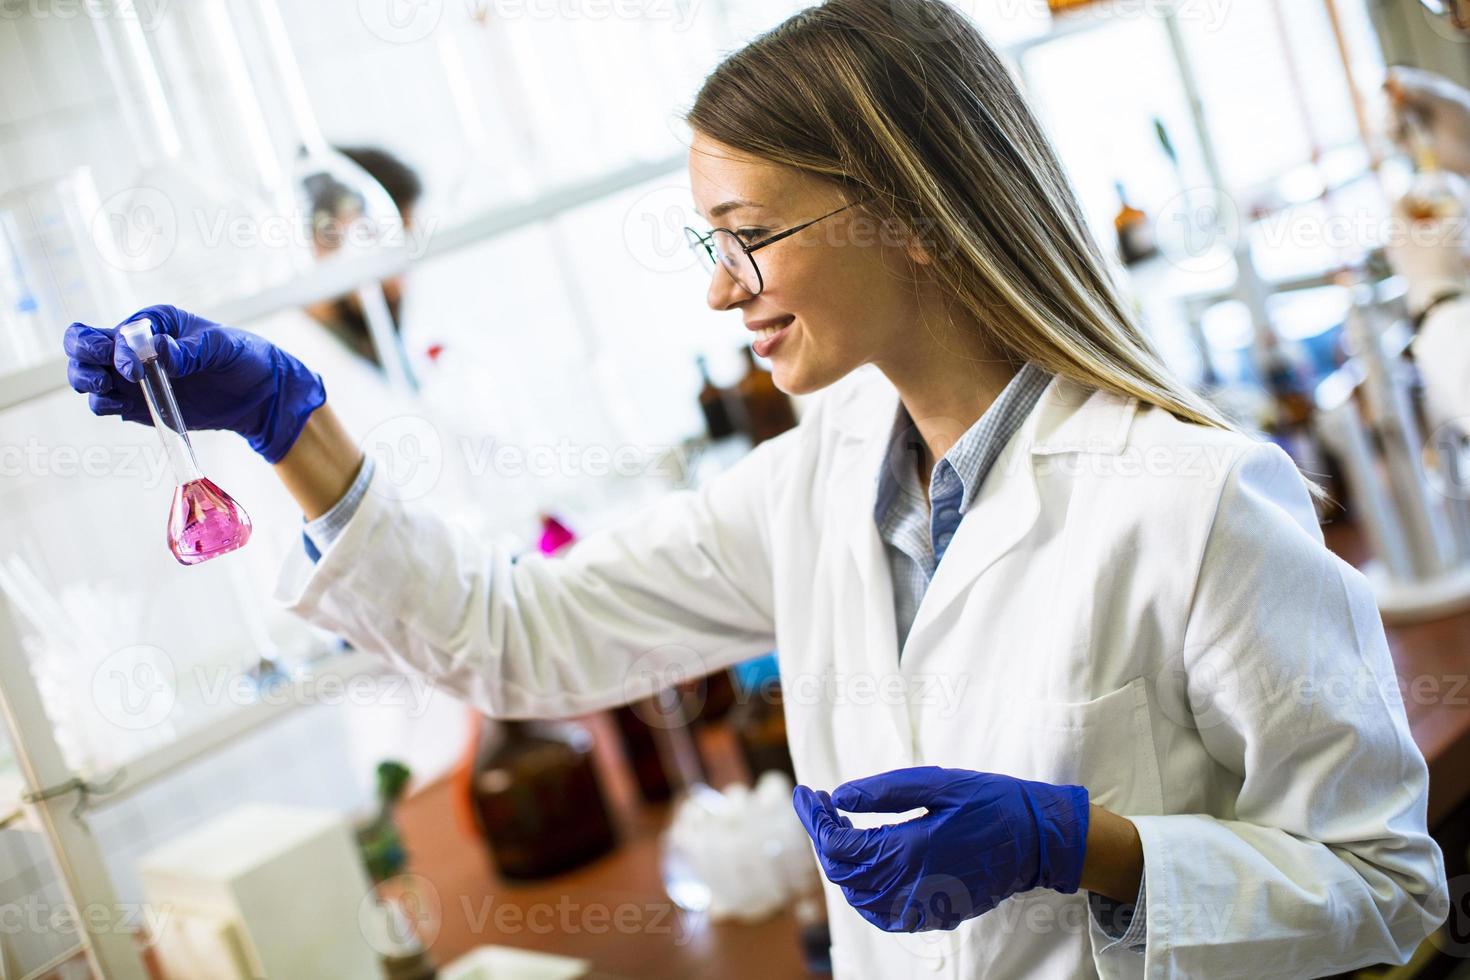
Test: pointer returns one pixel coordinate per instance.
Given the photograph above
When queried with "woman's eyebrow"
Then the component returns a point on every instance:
(726, 207)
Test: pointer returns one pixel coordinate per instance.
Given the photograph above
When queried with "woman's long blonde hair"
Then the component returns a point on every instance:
(906, 104)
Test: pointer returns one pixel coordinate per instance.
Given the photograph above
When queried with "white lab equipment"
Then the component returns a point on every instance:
(738, 854)
(263, 891)
(1418, 530)
(509, 963)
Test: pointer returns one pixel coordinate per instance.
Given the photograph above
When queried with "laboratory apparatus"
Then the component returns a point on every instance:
(1418, 530)
(54, 267)
(346, 214)
(204, 521)
(740, 852)
(1434, 193)
(180, 226)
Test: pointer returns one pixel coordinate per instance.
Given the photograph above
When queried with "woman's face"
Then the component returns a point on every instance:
(842, 294)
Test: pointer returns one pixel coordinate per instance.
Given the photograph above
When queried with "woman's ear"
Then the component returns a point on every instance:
(914, 245)
(916, 251)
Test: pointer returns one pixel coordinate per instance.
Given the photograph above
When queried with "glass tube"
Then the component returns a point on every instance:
(204, 521)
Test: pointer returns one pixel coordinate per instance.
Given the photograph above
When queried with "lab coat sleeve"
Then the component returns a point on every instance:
(683, 590)
(1324, 864)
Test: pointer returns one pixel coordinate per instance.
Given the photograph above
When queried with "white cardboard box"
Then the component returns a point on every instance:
(280, 886)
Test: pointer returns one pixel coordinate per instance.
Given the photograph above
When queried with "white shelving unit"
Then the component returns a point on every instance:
(111, 952)
(337, 278)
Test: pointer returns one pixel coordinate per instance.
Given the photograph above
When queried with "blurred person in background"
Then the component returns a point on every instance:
(333, 335)
(342, 316)
(1175, 744)
(1431, 254)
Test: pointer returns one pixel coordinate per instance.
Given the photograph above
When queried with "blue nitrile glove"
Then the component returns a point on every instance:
(986, 837)
(223, 378)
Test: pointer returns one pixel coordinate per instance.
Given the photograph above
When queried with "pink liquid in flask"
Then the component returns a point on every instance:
(204, 522)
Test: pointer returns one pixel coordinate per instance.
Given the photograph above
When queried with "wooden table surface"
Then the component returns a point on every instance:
(613, 911)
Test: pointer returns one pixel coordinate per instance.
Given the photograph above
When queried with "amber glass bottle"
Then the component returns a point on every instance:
(767, 409)
(537, 800)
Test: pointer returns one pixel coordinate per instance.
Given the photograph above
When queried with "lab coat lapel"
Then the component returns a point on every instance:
(1068, 418)
(864, 448)
(1001, 515)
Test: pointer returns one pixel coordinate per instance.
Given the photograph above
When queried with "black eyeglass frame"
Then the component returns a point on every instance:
(704, 241)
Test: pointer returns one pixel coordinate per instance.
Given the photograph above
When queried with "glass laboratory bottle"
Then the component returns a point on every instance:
(767, 409)
(1434, 193)
(536, 799)
(714, 405)
(759, 719)
(204, 521)
(1134, 229)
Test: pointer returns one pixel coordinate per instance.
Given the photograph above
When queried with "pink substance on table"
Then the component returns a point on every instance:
(205, 522)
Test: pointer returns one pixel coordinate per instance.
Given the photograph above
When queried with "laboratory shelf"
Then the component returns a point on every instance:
(337, 277)
(20, 386)
(144, 770)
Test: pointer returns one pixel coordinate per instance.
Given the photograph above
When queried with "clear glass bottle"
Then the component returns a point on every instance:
(204, 522)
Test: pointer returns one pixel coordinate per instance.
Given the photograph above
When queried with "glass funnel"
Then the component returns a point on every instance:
(204, 522)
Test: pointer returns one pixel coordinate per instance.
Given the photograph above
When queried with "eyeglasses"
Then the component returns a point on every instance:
(723, 248)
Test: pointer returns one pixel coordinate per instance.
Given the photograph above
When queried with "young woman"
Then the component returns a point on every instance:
(1020, 578)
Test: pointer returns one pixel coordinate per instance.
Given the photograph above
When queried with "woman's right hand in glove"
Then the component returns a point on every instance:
(223, 378)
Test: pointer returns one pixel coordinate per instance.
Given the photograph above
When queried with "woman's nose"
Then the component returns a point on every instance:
(724, 292)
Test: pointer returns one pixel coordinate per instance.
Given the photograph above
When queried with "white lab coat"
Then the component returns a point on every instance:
(1135, 604)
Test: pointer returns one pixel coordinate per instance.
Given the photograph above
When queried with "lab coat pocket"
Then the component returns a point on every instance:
(1105, 744)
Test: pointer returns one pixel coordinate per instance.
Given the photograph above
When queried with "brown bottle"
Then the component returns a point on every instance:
(641, 749)
(759, 723)
(641, 740)
(714, 405)
(536, 799)
(768, 411)
(1135, 231)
